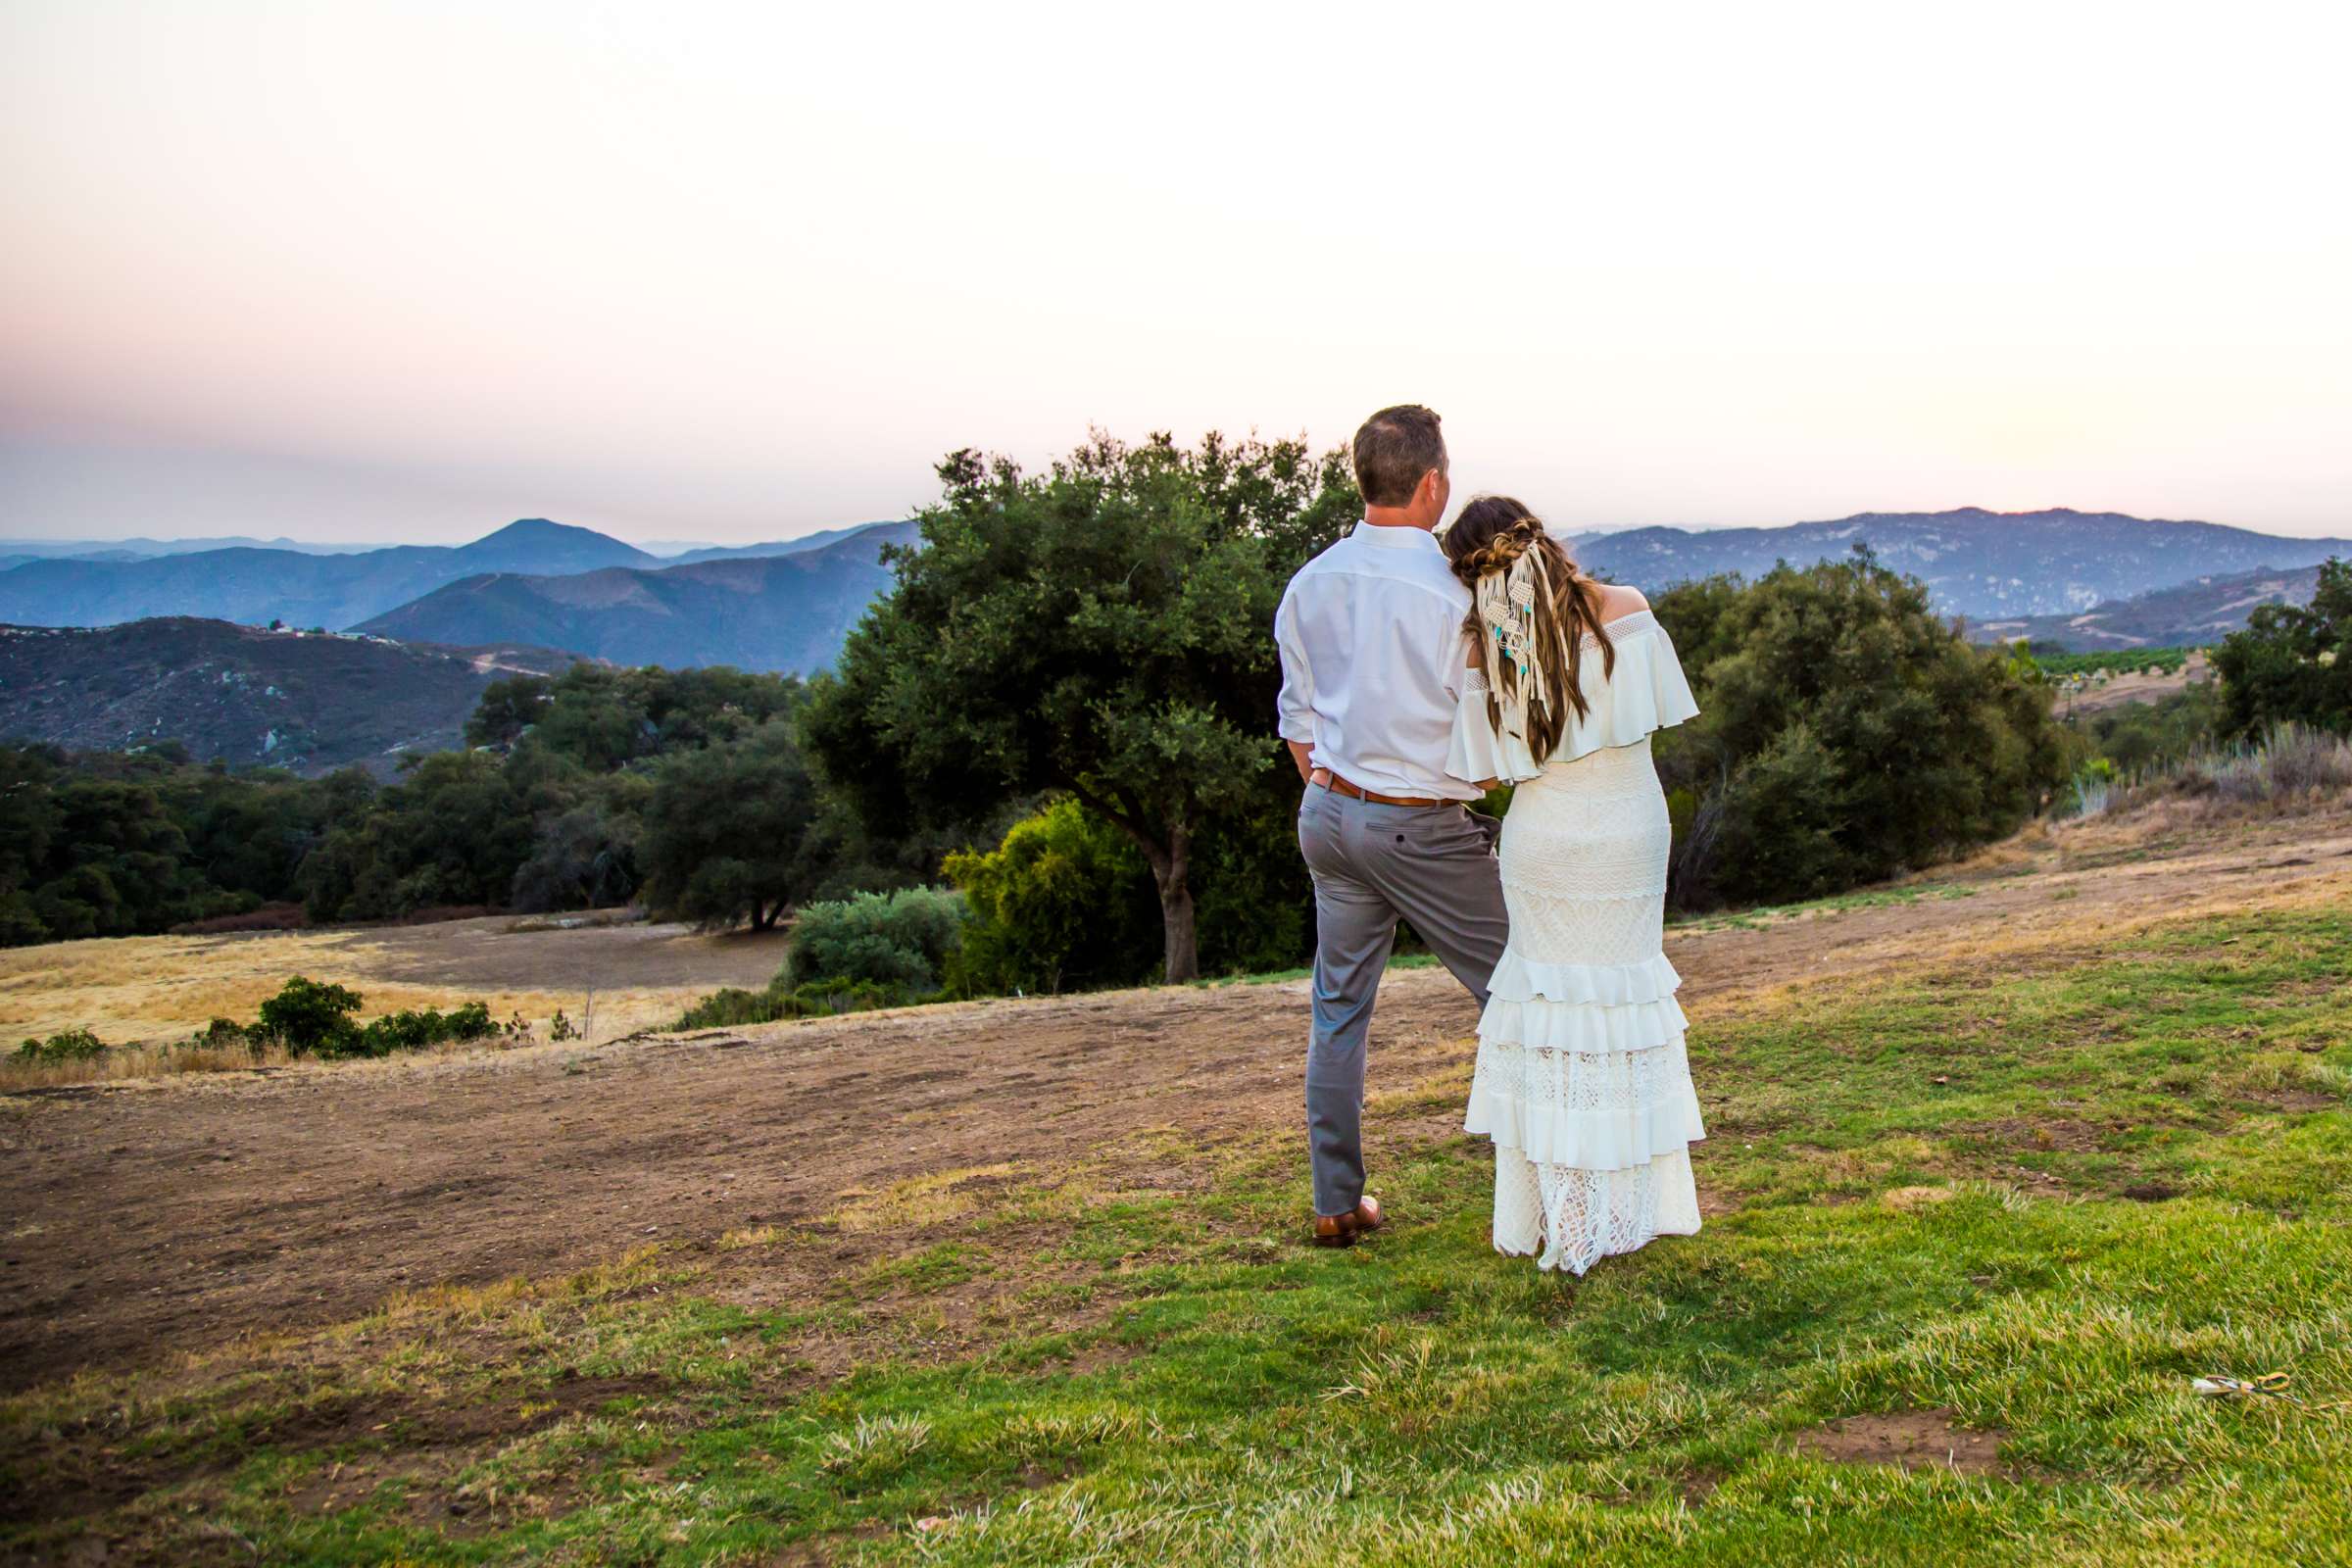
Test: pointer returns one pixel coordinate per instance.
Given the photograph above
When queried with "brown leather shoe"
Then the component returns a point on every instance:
(1342, 1230)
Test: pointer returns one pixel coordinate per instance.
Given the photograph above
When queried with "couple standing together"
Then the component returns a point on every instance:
(1419, 671)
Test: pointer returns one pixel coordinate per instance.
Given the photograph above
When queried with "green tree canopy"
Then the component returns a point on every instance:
(2293, 662)
(727, 833)
(1103, 629)
(1847, 731)
(604, 718)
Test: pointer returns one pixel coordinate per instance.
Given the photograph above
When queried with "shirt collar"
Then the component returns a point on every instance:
(1396, 538)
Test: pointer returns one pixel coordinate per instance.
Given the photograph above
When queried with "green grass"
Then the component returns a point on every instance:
(1923, 1174)
(1762, 915)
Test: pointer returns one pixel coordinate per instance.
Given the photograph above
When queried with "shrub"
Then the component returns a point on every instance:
(1846, 733)
(817, 1000)
(2291, 664)
(71, 1044)
(901, 939)
(1065, 902)
(2137, 737)
(2287, 762)
(415, 1030)
(309, 1019)
(2287, 766)
(732, 1005)
(469, 1021)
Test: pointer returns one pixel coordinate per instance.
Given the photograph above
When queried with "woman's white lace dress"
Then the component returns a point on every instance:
(1582, 1080)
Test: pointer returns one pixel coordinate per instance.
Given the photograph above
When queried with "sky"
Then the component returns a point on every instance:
(403, 271)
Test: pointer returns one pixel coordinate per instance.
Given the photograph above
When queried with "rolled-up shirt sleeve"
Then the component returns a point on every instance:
(1296, 708)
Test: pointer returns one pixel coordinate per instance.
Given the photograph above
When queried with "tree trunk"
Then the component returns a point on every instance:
(1171, 870)
(1176, 916)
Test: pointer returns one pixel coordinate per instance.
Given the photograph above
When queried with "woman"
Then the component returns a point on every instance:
(1582, 1082)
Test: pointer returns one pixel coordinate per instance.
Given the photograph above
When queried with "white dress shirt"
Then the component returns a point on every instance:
(1373, 659)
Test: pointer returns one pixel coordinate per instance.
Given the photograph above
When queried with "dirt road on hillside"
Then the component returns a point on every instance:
(171, 1215)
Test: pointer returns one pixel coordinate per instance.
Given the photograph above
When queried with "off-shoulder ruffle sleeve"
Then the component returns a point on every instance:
(1646, 692)
(1476, 754)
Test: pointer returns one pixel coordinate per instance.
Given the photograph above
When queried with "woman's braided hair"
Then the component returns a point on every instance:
(1489, 545)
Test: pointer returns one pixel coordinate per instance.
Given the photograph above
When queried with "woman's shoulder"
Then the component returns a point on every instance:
(1620, 600)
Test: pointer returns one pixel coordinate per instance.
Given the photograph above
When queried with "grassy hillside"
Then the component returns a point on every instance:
(1980, 1204)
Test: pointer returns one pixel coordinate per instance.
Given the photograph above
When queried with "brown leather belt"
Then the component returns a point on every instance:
(1332, 781)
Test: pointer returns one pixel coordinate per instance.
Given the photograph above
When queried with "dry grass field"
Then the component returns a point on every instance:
(2000, 1157)
(610, 980)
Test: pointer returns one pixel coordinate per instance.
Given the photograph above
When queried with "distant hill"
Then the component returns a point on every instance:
(779, 547)
(1983, 564)
(2187, 616)
(300, 588)
(306, 703)
(771, 612)
(139, 548)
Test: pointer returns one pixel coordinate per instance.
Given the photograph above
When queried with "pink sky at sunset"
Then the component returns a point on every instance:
(404, 272)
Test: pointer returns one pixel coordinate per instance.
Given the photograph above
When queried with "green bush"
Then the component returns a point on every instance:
(313, 1019)
(2139, 738)
(415, 1030)
(1846, 734)
(469, 1021)
(72, 1044)
(900, 939)
(819, 999)
(2292, 665)
(310, 1019)
(1065, 902)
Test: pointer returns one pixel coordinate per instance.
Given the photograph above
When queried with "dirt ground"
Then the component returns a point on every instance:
(168, 1216)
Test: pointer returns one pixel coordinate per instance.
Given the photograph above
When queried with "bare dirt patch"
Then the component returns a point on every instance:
(1910, 1439)
(2041, 1135)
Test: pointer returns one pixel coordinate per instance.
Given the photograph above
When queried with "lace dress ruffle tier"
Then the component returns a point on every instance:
(1582, 1081)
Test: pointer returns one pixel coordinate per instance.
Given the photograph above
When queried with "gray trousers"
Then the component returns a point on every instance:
(1433, 865)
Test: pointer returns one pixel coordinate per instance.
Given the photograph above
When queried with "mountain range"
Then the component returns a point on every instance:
(1979, 564)
(2073, 578)
(2186, 614)
(261, 585)
(311, 587)
(309, 702)
(786, 612)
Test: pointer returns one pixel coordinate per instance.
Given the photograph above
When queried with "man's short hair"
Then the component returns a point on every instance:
(1393, 449)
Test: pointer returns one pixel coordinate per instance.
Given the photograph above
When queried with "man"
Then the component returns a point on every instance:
(1373, 659)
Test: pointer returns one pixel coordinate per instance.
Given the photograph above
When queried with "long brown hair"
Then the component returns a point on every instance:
(1490, 536)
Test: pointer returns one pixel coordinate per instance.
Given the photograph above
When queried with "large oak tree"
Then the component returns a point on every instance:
(1104, 629)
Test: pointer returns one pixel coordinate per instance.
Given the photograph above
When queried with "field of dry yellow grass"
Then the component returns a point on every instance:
(608, 981)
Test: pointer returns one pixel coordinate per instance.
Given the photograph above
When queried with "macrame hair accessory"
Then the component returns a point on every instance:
(1512, 586)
